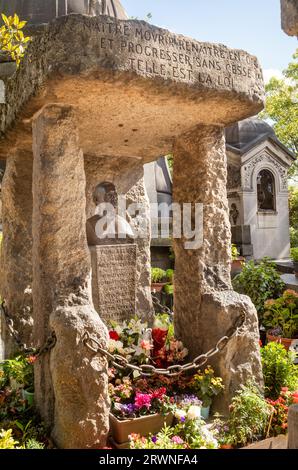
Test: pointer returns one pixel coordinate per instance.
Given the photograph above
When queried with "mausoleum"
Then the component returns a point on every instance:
(257, 188)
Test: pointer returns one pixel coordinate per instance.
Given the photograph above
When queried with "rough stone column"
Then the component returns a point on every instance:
(16, 249)
(293, 427)
(137, 194)
(70, 382)
(206, 307)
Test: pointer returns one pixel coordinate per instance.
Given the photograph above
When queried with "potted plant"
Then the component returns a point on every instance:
(206, 386)
(237, 260)
(158, 279)
(136, 412)
(281, 318)
(189, 432)
(169, 287)
(294, 256)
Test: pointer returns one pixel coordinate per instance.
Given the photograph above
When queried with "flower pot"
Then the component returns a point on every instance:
(205, 412)
(286, 342)
(157, 286)
(28, 396)
(226, 446)
(151, 424)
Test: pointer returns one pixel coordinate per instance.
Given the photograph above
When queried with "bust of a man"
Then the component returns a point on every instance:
(106, 226)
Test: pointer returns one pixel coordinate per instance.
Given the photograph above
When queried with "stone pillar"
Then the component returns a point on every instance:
(293, 427)
(71, 382)
(16, 249)
(206, 307)
(137, 194)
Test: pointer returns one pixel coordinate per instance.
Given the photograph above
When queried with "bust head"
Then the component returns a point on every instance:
(105, 193)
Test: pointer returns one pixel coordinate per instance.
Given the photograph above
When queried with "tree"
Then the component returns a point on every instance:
(293, 204)
(12, 39)
(282, 108)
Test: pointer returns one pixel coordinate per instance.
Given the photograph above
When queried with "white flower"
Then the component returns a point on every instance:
(179, 414)
(116, 346)
(118, 330)
(194, 412)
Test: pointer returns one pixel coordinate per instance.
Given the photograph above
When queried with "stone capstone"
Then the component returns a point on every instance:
(141, 84)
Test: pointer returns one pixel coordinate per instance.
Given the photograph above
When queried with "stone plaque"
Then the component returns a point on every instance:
(114, 281)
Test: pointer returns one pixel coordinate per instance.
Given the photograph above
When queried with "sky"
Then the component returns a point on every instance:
(252, 25)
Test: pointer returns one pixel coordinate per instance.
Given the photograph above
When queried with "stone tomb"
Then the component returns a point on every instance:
(114, 281)
(95, 99)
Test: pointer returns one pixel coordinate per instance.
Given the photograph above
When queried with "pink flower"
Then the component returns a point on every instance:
(146, 345)
(177, 440)
(31, 359)
(143, 400)
(284, 389)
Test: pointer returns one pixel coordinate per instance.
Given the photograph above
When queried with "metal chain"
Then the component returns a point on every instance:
(48, 345)
(163, 308)
(148, 370)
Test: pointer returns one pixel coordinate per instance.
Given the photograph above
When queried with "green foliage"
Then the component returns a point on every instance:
(21, 370)
(278, 369)
(6, 440)
(282, 314)
(170, 275)
(294, 254)
(34, 444)
(157, 275)
(170, 160)
(249, 415)
(281, 106)
(235, 253)
(260, 282)
(293, 213)
(12, 39)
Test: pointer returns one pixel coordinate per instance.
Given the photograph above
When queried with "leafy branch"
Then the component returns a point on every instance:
(12, 38)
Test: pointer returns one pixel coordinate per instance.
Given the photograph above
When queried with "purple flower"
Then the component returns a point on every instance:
(154, 439)
(128, 409)
(186, 400)
(182, 419)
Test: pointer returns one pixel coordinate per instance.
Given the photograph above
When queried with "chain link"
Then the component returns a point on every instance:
(158, 304)
(148, 370)
(48, 345)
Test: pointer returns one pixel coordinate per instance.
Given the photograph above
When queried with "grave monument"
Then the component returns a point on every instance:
(94, 99)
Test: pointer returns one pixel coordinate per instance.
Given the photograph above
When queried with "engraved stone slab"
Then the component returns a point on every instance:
(114, 281)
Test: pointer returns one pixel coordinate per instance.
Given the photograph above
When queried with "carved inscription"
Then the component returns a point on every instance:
(157, 52)
(114, 281)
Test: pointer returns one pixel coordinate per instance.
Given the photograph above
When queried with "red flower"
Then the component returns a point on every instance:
(295, 400)
(159, 393)
(114, 335)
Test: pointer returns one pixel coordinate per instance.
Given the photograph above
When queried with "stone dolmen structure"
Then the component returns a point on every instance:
(94, 99)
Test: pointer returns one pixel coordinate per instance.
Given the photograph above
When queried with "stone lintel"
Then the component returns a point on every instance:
(140, 84)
